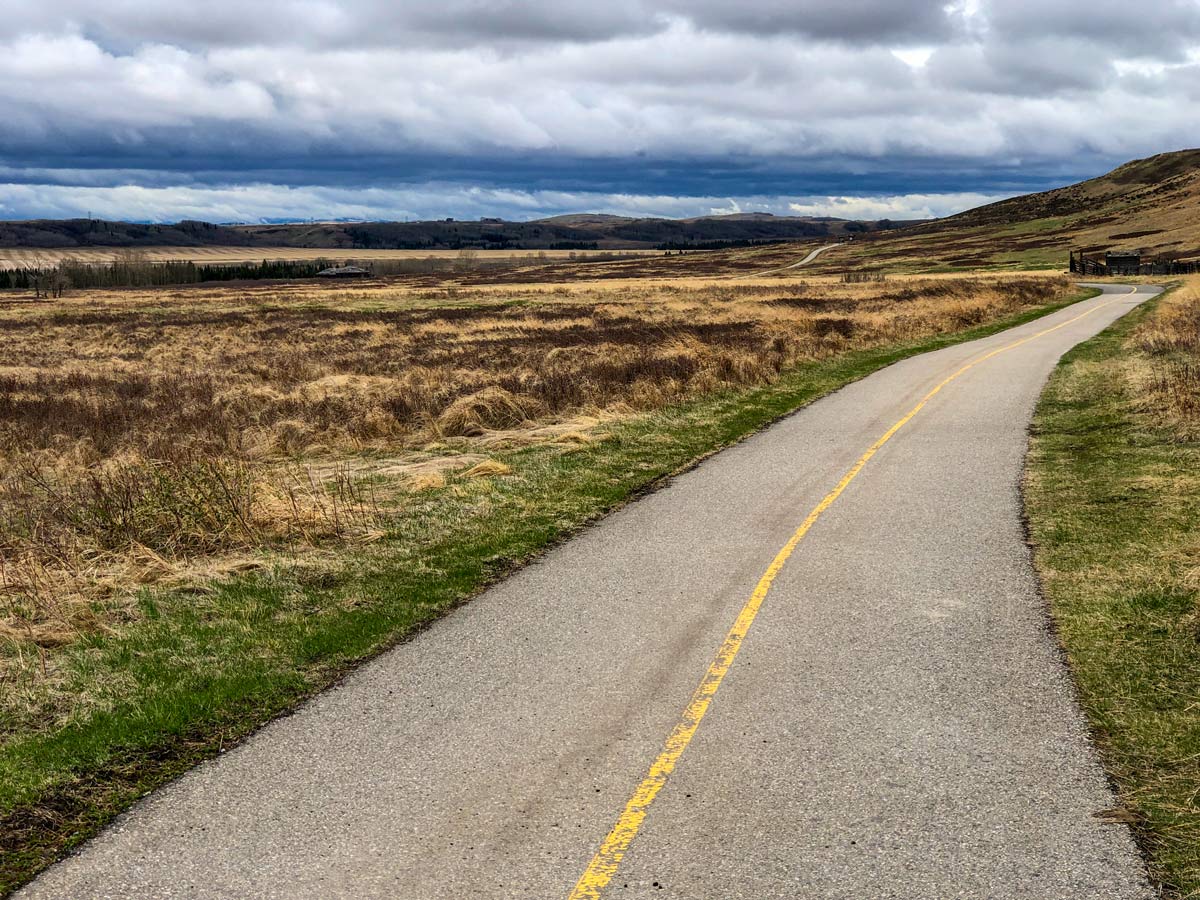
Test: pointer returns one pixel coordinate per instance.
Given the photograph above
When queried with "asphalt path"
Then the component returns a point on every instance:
(895, 721)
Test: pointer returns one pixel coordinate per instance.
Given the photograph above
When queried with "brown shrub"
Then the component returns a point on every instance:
(491, 407)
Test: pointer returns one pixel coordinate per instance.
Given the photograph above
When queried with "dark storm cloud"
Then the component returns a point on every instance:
(272, 102)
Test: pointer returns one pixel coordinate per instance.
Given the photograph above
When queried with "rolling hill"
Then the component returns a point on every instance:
(568, 232)
(1151, 205)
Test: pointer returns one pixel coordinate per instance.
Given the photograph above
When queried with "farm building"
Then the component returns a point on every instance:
(344, 272)
(1123, 262)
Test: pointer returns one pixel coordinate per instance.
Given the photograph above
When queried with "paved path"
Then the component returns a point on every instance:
(897, 724)
(796, 265)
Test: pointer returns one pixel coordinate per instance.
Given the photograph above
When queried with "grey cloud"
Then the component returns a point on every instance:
(1042, 67)
(485, 21)
(342, 23)
(501, 23)
(263, 202)
(1113, 26)
(365, 87)
(852, 21)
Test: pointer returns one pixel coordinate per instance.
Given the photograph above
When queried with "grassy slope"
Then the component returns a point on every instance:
(1114, 506)
(1148, 204)
(267, 641)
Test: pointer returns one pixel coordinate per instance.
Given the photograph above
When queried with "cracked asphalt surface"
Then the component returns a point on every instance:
(899, 722)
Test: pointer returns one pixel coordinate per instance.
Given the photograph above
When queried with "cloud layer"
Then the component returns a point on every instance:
(758, 100)
(272, 202)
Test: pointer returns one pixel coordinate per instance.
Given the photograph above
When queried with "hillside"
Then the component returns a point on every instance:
(99, 233)
(1151, 205)
(1139, 188)
(568, 232)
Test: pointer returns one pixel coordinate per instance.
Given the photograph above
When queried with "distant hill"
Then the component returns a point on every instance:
(582, 231)
(1135, 192)
(1149, 205)
(98, 233)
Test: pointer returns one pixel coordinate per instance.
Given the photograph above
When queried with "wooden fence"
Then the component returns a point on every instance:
(1095, 265)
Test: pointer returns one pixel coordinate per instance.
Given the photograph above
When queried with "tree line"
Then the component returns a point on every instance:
(54, 279)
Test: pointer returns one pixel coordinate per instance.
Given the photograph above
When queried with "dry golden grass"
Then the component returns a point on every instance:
(148, 434)
(1168, 374)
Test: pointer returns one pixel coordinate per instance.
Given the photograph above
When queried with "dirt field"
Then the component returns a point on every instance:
(478, 267)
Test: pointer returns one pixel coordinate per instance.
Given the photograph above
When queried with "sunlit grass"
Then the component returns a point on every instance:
(1113, 493)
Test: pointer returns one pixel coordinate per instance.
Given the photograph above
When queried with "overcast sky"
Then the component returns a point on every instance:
(247, 110)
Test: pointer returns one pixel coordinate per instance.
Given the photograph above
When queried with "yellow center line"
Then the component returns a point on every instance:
(604, 864)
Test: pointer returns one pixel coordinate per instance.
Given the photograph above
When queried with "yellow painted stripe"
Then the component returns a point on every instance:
(608, 858)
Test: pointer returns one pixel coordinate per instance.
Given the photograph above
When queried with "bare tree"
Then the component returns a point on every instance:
(38, 275)
(58, 282)
(467, 257)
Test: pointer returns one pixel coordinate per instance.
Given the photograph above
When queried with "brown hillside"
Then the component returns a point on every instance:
(1151, 205)
(1140, 187)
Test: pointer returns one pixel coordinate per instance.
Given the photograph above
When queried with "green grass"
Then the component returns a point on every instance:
(1036, 258)
(1114, 504)
(201, 669)
(1035, 226)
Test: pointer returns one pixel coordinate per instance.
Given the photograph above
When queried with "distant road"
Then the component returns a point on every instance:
(816, 666)
(796, 265)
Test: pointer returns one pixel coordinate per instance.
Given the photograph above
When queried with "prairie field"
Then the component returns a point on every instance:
(215, 499)
(146, 431)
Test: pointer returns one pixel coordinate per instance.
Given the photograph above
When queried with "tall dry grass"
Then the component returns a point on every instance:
(140, 433)
(1169, 376)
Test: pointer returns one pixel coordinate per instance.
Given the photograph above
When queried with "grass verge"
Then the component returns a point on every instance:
(201, 669)
(1113, 497)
